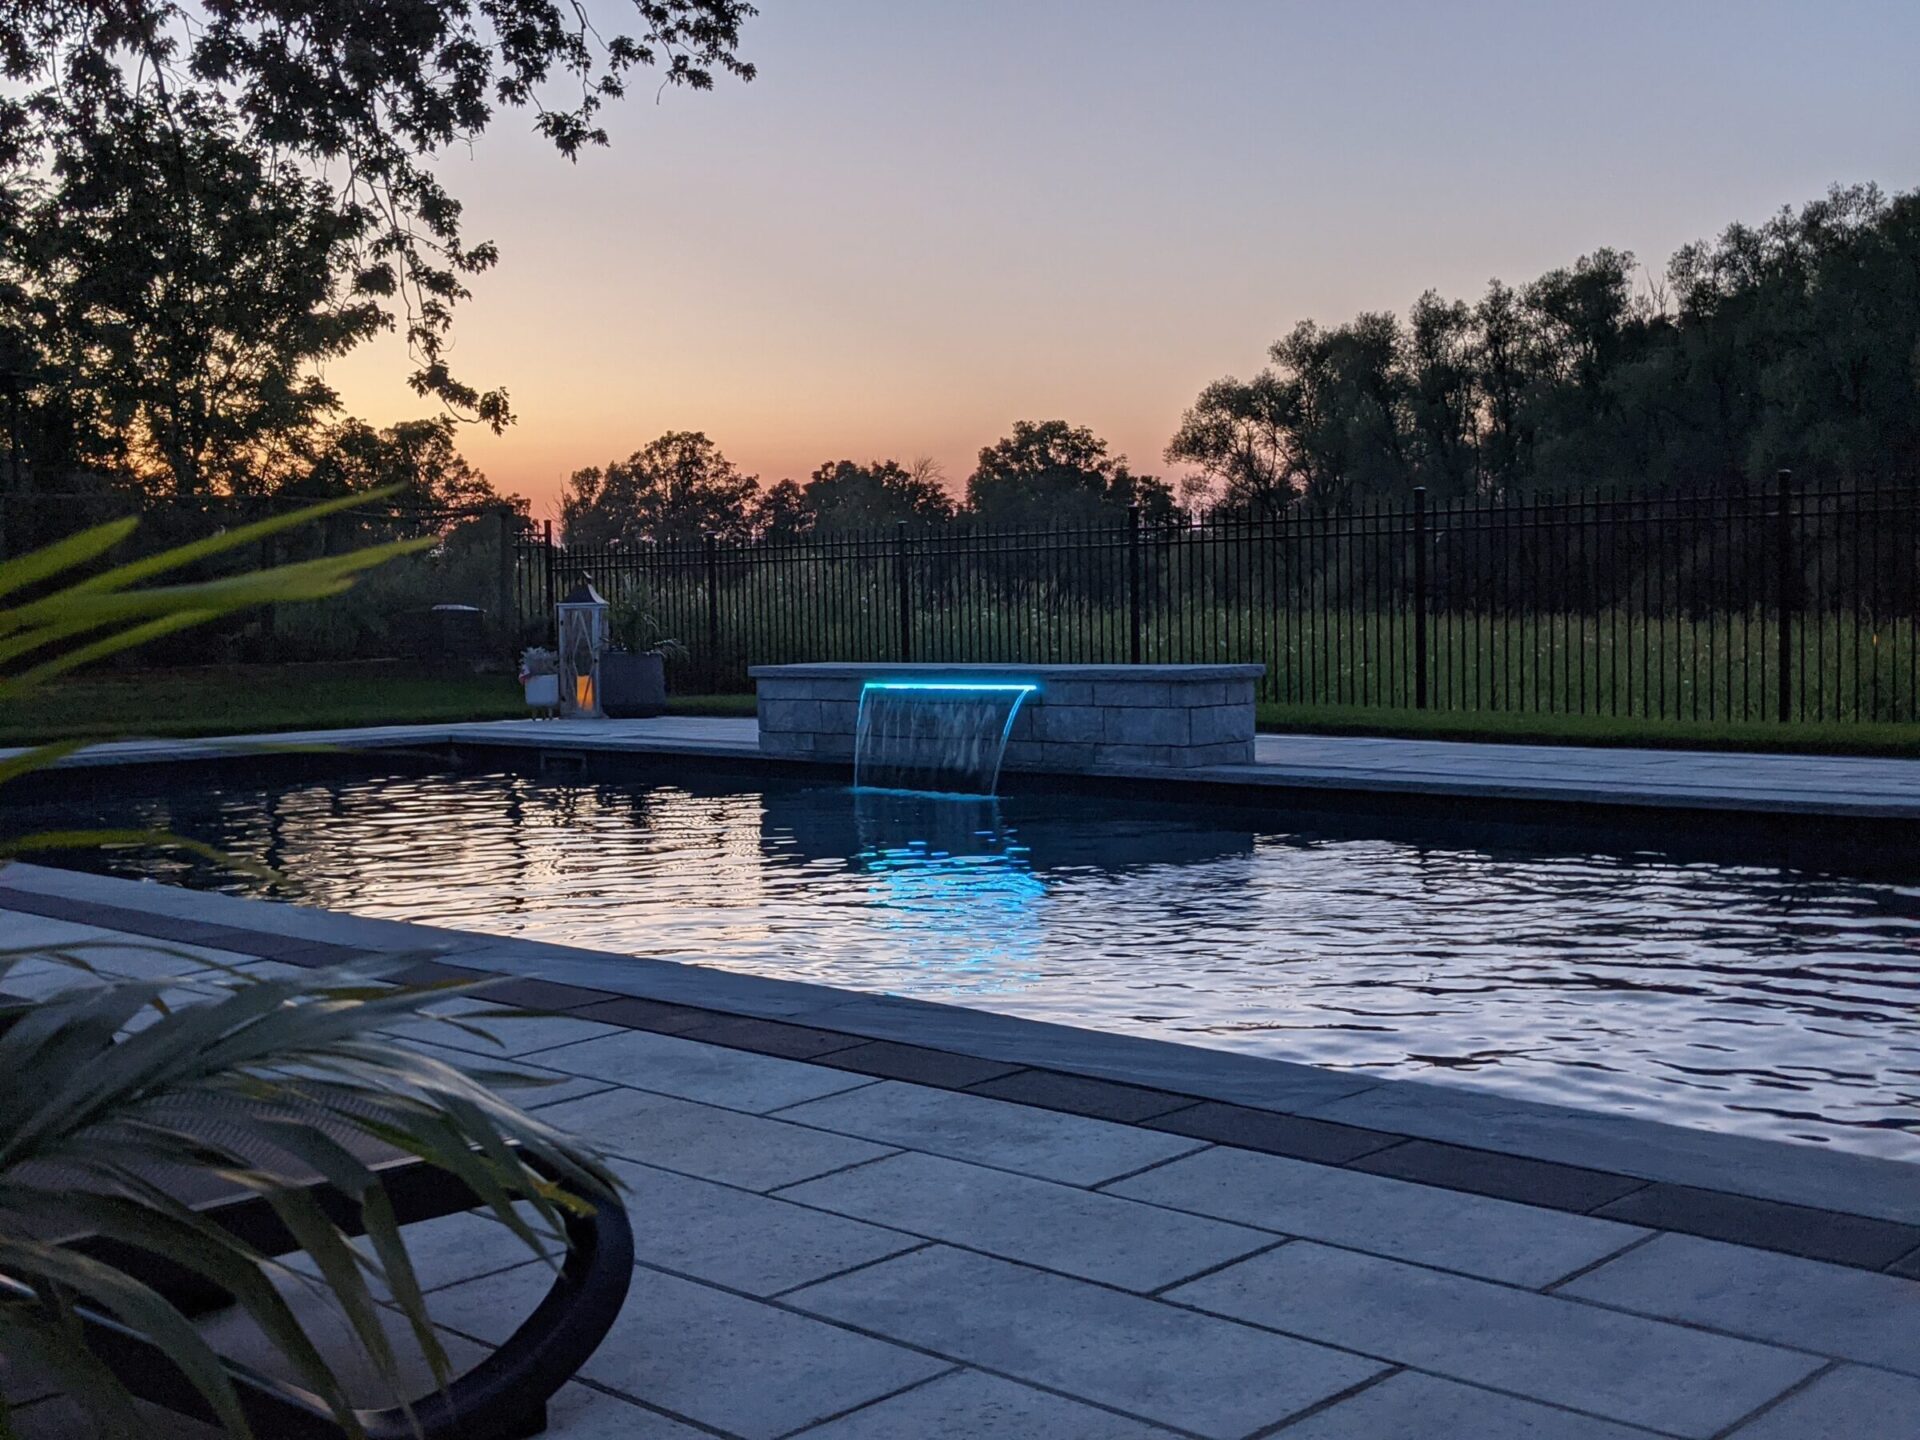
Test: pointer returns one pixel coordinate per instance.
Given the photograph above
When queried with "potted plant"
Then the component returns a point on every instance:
(540, 678)
(122, 1102)
(633, 674)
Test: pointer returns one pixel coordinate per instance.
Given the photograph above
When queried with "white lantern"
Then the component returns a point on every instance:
(584, 636)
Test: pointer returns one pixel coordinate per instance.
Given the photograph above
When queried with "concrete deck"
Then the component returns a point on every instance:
(861, 1217)
(1807, 785)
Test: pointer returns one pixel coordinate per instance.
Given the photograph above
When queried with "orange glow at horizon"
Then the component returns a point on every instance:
(921, 224)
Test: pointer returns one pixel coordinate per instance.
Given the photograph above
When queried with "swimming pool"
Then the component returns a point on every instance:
(1709, 986)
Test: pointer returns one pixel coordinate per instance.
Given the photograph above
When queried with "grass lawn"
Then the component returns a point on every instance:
(244, 699)
(1865, 738)
(249, 699)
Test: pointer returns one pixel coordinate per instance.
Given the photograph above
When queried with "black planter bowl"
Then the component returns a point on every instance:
(633, 687)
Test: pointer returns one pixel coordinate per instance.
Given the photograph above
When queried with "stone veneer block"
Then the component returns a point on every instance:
(1081, 719)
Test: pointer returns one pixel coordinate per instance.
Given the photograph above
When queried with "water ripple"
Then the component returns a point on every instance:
(1731, 995)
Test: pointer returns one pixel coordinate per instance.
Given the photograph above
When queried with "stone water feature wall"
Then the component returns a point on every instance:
(1080, 718)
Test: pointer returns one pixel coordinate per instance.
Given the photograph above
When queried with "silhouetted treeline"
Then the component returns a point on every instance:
(1794, 343)
(680, 488)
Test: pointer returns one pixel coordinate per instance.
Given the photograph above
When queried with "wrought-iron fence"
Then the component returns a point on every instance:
(389, 613)
(1746, 604)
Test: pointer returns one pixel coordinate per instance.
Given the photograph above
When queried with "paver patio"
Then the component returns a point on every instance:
(828, 1253)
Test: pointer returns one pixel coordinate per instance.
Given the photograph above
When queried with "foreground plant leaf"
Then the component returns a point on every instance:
(268, 1085)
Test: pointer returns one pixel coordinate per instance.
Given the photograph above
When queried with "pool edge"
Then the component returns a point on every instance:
(1314, 1114)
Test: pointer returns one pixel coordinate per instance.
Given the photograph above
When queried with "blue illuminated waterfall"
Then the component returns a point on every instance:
(947, 737)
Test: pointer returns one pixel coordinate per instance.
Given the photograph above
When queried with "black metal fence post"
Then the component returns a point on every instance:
(1133, 584)
(1662, 602)
(1420, 597)
(904, 585)
(546, 542)
(713, 613)
(1783, 526)
(509, 611)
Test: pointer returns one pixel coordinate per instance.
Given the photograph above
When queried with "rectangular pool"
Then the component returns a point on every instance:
(1678, 977)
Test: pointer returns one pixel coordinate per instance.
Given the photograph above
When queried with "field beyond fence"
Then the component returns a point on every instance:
(1776, 604)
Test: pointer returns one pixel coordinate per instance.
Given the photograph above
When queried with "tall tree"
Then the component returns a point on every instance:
(1792, 343)
(266, 170)
(419, 458)
(1239, 436)
(179, 290)
(678, 488)
(843, 495)
(780, 513)
(1442, 396)
(1053, 473)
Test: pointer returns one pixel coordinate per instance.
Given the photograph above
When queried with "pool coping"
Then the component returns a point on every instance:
(1808, 788)
(1841, 1207)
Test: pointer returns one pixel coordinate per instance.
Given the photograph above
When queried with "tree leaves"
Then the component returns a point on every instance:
(266, 1084)
(211, 197)
(1791, 344)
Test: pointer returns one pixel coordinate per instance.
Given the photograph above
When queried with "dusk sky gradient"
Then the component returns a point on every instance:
(924, 221)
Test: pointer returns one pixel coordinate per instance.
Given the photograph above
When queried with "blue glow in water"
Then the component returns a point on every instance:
(1688, 976)
(948, 877)
(935, 736)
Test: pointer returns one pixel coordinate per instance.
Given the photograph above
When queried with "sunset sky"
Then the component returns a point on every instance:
(924, 221)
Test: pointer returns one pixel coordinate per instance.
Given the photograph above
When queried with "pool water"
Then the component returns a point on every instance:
(1734, 994)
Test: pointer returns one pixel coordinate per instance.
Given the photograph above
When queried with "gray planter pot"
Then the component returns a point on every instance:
(633, 687)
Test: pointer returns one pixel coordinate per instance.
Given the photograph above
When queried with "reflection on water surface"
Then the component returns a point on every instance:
(1737, 995)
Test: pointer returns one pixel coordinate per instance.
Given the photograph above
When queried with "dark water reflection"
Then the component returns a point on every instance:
(1736, 994)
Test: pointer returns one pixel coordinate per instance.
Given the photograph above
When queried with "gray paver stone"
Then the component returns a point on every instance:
(1619, 1366)
(711, 1074)
(1057, 1227)
(742, 1240)
(1412, 1406)
(967, 1405)
(1852, 1314)
(699, 1140)
(1496, 1239)
(1046, 1143)
(1207, 1376)
(738, 1365)
(1849, 1404)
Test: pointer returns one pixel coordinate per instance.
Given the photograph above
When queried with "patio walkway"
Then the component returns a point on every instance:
(845, 1238)
(1817, 785)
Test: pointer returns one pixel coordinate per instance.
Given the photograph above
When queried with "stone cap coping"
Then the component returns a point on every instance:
(895, 670)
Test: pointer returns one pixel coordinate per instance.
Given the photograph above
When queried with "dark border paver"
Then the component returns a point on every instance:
(770, 1037)
(1767, 1224)
(1505, 1177)
(1079, 1095)
(317, 954)
(542, 994)
(434, 972)
(1326, 1141)
(893, 1061)
(655, 1015)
